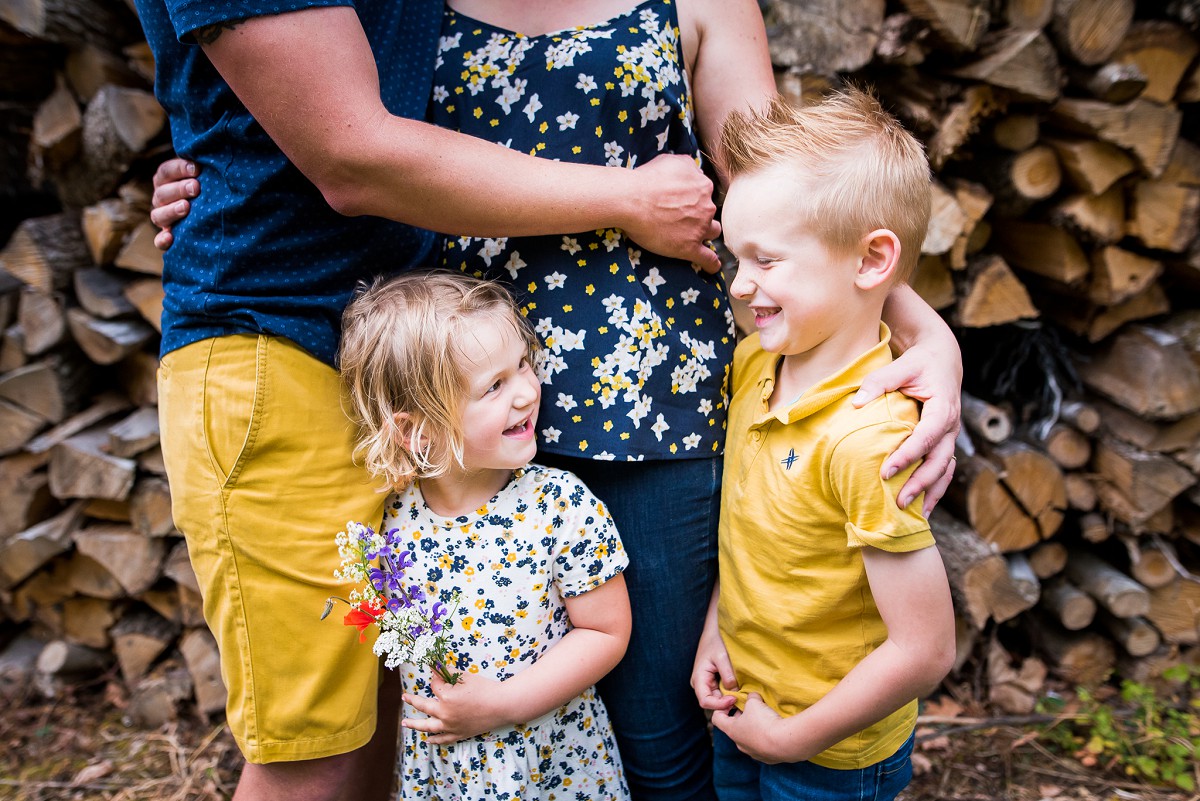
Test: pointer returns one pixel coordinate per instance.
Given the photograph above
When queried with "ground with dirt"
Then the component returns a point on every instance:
(80, 747)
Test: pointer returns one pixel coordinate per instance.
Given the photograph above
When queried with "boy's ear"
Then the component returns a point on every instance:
(881, 255)
(406, 430)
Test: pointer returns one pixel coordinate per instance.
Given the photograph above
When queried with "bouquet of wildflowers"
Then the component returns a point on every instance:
(409, 629)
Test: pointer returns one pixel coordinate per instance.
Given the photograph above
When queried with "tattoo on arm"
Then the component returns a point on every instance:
(210, 33)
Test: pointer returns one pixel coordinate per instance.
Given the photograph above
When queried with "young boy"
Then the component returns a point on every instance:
(832, 614)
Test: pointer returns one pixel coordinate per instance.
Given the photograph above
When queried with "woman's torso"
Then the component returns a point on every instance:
(638, 346)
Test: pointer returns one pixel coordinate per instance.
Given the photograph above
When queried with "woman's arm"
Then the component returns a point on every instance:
(597, 641)
(725, 47)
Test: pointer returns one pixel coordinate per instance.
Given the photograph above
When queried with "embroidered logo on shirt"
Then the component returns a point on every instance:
(789, 460)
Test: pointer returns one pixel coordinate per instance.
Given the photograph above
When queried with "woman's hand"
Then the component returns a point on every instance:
(174, 184)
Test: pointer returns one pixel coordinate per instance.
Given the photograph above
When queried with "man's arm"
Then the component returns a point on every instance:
(309, 77)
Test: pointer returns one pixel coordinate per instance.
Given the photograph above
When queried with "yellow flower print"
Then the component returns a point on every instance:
(467, 623)
(583, 445)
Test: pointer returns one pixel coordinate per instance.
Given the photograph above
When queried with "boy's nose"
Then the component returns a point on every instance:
(741, 286)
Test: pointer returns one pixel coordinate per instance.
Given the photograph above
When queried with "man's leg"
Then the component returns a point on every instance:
(258, 451)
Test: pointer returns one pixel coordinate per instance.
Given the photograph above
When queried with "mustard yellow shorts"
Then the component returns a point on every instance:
(259, 456)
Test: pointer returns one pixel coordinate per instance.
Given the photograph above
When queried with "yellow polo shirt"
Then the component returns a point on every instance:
(802, 495)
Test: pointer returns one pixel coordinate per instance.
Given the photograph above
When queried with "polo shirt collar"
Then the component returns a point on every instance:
(829, 390)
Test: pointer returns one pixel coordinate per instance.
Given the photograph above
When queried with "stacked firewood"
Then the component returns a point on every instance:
(1065, 143)
(94, 578)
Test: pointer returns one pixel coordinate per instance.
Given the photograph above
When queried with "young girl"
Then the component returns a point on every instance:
(441, 375)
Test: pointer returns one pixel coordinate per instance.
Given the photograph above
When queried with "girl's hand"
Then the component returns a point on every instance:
(756, 731)
(458, 711)
(174, 183)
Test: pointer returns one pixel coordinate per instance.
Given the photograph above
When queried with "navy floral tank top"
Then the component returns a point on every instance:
(638, 346)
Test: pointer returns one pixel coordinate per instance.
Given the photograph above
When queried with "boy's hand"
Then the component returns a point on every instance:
(458, 711)
(174, 183)
(756, 731)
(713, 671)
(934, 377)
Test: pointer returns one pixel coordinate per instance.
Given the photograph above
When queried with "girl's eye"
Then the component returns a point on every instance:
(495, 386)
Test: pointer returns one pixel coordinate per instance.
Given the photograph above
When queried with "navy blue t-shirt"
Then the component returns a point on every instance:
(261, 251)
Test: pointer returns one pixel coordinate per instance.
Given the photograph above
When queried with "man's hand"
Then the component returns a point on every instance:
(676, 211)
(174, 184)
(458, 711)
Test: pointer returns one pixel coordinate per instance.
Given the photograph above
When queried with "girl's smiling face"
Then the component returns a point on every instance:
(501, 405)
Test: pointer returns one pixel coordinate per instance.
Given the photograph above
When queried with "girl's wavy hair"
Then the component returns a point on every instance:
(400, 353)
(862, 169)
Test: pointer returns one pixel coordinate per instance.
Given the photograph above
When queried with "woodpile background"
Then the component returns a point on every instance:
(1065, 140)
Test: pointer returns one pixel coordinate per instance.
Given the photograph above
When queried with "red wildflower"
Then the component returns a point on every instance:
(361, 617)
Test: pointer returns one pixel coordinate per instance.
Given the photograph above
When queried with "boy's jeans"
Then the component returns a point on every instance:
(742, 778)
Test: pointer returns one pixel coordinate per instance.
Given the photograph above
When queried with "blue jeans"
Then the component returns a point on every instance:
(666, 512)
(742, 778)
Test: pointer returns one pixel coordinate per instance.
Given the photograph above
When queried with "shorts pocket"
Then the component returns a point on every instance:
(234, 383)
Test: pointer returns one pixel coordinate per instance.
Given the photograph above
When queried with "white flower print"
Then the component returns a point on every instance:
(689, 296)
(544, 326)
(635, 258)
(612, 153)
(555, 280)
(691, 441)
(532, 107)
(640, 409)
(705, 408)
(612, 239)
(654, 111)
(566, 402)
(514, 264)
(604, 456)
(511, 94)
(571, 245)
(570, 340)
(654, 280)
(551, 434)
(440, 94)
(492, 248)
(662, 140)
(567, 120)
(449, 42)
(586, 83)
(660, 425)
(551, 365)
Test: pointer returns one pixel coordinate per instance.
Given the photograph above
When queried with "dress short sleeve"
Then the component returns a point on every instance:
(587, 550)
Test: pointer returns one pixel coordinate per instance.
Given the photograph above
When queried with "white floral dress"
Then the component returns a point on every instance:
(638, 346)
(542, 538)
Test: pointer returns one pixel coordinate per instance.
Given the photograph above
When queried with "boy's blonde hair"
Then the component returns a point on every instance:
(863, 171)
(400, 354)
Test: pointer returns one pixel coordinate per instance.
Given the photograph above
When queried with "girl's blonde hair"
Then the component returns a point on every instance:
(862, 170)
(405, 373)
